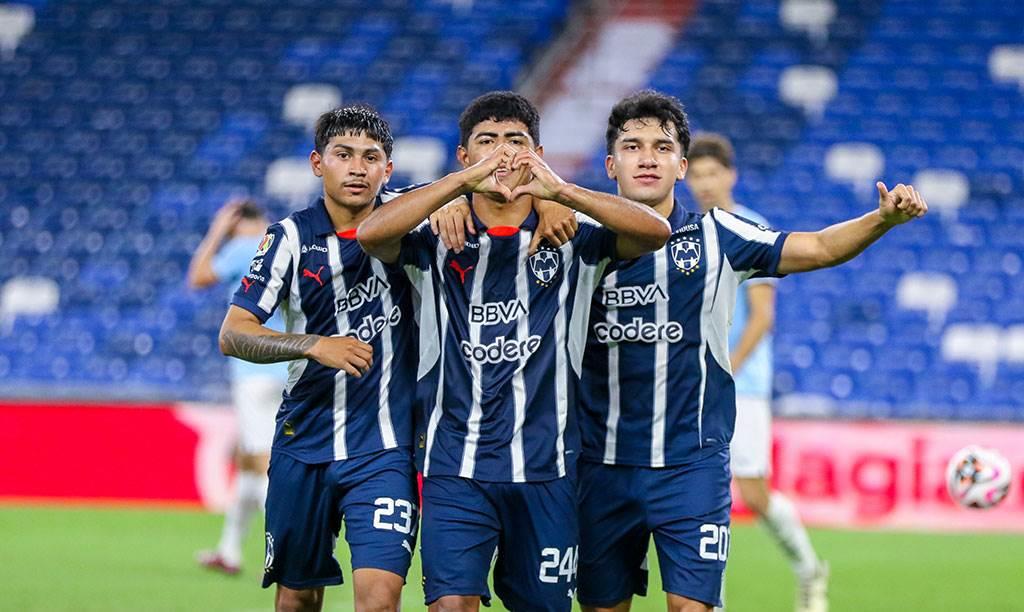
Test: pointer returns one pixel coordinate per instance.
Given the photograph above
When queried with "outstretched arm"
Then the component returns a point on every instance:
(638, 228)
(839, 243)
(200, 270)
(243, 336)
(381, 233)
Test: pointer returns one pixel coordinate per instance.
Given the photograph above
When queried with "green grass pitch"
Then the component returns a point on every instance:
(62, 558)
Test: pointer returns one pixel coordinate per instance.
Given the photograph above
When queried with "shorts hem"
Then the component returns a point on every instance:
(306, 584)
(403, 575)
(485, 599)
(713, 601)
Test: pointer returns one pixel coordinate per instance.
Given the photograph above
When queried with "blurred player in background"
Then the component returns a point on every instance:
(225, 254)
(658, 400)
(502, 439)
(343, 445)
(711, 178)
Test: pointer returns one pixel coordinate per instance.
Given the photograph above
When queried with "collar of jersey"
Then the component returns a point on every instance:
(677, 218)
(503, 231)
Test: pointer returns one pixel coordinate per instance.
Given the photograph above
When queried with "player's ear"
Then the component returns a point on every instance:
(539, 151)
(683, 165)
(609, 166)
(462, 155)
(388, 169)
(315, 160)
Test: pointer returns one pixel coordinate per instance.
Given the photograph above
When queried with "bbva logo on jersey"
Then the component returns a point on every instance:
(686, 254)
(545, 264)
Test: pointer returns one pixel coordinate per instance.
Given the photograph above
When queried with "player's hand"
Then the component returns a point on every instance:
(452, 222)
(226, 218)
(545, 184)
(343, 353)
(901, 204)
(480, 177)
(555, 223)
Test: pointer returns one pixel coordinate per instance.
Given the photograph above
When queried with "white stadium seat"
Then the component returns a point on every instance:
(810, 88)
(16, 21)
(810, 16)
(944, 190)
(292, 180)
(1006, 64)
(932, 292)
(422, 158)
(1013, 344)
(27, 295)
(977, 344)
(857, 164)
(303, 104)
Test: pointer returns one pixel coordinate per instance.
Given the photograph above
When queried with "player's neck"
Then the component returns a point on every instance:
(493, 213)
(728, 204)
(346, 217)
(664, 207)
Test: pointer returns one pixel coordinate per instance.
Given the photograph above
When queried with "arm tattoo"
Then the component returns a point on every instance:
(269, 348)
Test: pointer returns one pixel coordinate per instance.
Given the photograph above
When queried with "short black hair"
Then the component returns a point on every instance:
(648, 104)
(353, 121)
(249, 209)
(714, 146)
(499, 106)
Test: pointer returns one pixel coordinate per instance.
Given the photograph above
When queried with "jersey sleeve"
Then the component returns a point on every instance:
(418, 248)
(267, 281)
(754, 250)
(594, 242)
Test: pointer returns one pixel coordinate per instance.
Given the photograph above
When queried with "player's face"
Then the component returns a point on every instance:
(354, 168)
(711, 182)
(489, 135)
(646, 161)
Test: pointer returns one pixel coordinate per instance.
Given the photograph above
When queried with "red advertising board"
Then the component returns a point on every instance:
(881, 475)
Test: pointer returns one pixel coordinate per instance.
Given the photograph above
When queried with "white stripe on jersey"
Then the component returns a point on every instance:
(561, 370)
(519, 379)
(442, 320)
(282, 257)
(341, 377)
(387, 430)
(585, 284)
(614, 391)
(294, 317)
(711, 251)
(660, 363)
(476, 412)
(745, 231)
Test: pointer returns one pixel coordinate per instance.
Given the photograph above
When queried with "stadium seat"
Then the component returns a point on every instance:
(1013, 344)
(36, 296)
(1006, 64)
(809, 88)
(421, 158)
(934, 293)
(292, 180)
(303, 104)
(16, 21)
(813, 17)
(946, 191)
(856, 164)
(976, 344)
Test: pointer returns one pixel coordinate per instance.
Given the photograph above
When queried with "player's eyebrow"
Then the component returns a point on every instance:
(637, 140)
(375, 148)
(510, 134)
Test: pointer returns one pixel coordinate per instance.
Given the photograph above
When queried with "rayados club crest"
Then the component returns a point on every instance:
(686, 255)
(544, 264)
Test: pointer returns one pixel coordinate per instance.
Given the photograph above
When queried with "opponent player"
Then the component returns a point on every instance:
(658, 401)
(225, 253)
(342, 447)
(711, 178)
(502, 438)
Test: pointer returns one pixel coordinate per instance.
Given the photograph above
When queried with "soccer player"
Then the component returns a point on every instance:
(342, 447)
(502, 439)
(658, 399)
(225, 253)
(711, 178)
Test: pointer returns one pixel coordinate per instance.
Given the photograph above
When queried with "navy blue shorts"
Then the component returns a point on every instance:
(531, 526)
(375, 494)
(686, 508)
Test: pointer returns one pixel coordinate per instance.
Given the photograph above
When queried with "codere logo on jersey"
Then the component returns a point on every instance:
(638, 330)
(370, 326)
(502, 349)
(362, 294)
(492, 313)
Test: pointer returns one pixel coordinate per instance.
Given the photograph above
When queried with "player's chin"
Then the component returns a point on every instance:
(648, 194)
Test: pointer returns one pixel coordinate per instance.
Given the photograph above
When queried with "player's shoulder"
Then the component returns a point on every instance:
(750, 214)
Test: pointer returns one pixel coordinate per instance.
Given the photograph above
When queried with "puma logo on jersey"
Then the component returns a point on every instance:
(307, 274)
(455, 265)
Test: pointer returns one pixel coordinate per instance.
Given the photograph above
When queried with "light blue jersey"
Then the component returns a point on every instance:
(232, 263)
(755, 377)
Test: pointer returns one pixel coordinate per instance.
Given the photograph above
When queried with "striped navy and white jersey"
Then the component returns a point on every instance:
(657, 388)
(326, 285)
(512, 329)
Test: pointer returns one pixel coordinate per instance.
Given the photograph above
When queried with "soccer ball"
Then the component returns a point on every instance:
(978, 477)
